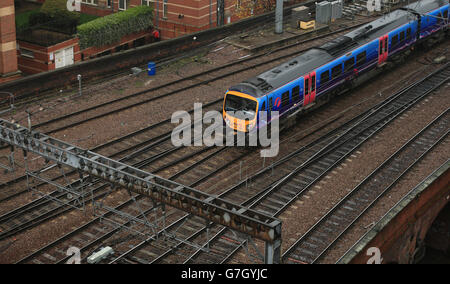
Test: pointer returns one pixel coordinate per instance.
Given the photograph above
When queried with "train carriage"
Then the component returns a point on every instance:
(313, 78)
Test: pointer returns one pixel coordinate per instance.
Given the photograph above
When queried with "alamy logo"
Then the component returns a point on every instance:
(375, 254)
(374, 5)
(74, 5)
(75, 255)
(218, 135)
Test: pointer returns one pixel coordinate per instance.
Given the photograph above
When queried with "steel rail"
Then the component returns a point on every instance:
(160, 189)
(360, 187)
(415, 84)
(192, 77)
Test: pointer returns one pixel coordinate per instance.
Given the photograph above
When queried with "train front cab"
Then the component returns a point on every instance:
(240, 111)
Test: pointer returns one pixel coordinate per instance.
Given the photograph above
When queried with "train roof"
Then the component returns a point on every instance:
(318, 56)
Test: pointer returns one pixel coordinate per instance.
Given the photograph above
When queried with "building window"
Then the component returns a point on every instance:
(146, 2)
(92, 2)
(122, 4)
(165, 9)
(26, 53)
(109, 3)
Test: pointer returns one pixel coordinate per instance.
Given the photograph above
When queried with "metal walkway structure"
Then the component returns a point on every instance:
(119, 175)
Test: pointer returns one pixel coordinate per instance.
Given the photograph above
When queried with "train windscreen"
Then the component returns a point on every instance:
(243, 108)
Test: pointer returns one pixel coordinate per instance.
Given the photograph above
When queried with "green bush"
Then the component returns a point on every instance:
(110, 29)
(23, 19)
(54, 23)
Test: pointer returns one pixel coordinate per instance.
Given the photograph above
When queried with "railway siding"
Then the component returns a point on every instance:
(388, 234)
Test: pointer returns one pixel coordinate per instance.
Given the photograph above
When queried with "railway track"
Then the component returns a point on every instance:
(321, 237)
(235, 66)
(121, 148)
(198, 176)
(155, 157)
(180, 85)
(92, 235)
(225, 244)
(276, 197)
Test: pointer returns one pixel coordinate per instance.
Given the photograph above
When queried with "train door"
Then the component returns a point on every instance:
(310, 89)
(264, 109)
(383, 49)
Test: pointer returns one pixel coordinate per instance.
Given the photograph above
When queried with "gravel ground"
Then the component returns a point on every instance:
(336, 185)
(129, 121)
(307, 210)
(94, 133)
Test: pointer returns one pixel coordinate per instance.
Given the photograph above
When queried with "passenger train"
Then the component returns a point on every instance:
(313, 78)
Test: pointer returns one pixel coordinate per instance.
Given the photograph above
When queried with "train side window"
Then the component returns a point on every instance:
(325, 77)
(307, 86)
(296, 93)
(446, 14)
(336, 71)
(439, 18)
(349, 64)
(263, 106)
(394, 41)
(270, 104)
(402, 36)
(408, 33)
(381, 47)
(285, 99)
(361, 59)
(313, 82)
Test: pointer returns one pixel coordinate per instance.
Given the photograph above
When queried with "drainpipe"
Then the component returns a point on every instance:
(210, 13)
(157, 14)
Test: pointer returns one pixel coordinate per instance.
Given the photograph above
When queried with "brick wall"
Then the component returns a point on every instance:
(8, 59)
(180, 17)
(41, 59)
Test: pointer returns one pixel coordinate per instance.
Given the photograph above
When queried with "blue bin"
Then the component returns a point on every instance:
(151, 69)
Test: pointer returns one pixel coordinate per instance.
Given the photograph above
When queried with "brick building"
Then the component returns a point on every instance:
(180, 17)
(172, 17)
(8, 58)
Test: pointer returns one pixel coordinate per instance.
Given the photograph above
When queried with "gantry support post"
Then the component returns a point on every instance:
(273, 252)
(279, 17)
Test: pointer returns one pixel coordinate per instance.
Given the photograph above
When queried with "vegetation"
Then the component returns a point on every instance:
(86, 18)
(110, 29)
(23, 19)
(58, 9)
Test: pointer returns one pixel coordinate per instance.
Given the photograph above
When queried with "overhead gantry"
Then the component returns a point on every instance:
(193, 201)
